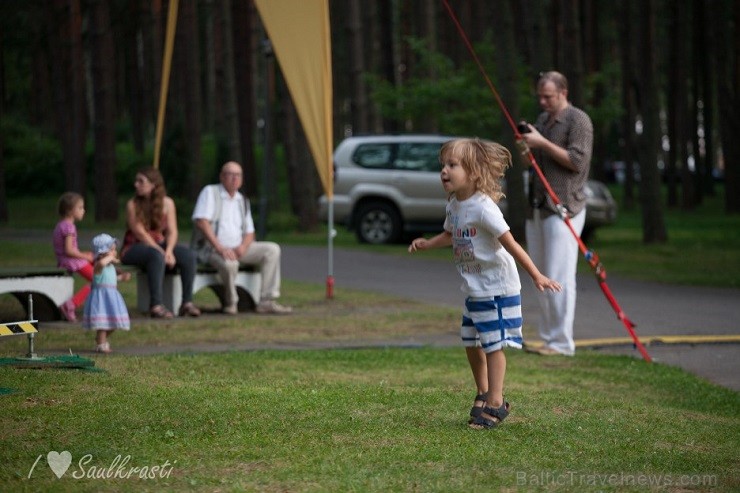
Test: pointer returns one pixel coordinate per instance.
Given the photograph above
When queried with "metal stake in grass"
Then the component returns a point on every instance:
(31, 335)
(32, 360)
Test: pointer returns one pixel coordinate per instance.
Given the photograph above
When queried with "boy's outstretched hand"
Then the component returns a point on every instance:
(542, 283)
(418, 244)
(441, 240)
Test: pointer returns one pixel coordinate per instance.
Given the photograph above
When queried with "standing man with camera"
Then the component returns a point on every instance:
(562, 142)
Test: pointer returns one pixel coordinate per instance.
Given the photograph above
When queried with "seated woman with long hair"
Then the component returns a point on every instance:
(150, 242)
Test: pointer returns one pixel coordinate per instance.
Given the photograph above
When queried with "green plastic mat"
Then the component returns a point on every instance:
(64, 361)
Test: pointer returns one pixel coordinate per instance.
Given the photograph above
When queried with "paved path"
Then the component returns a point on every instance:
(656, 309)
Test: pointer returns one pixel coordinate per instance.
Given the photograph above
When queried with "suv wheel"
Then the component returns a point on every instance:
(378, 223)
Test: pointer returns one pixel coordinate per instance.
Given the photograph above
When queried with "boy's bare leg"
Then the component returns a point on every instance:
(496, 364)
(479, 367)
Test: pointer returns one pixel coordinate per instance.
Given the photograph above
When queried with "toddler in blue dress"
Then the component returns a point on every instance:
(105, 309)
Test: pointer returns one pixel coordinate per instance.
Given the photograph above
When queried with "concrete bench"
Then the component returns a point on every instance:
(49, 286)
(248, 287)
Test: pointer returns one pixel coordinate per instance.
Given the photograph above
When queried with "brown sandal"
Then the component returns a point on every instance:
(159, 311)
(189, 309)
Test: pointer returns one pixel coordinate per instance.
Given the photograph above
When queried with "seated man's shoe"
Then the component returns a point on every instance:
(272, 307)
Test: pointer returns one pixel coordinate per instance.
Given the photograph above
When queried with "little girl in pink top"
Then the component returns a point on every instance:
(71, 209)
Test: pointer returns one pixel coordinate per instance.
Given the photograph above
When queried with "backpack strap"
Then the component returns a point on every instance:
(244, 204)
(217, 208)
(198, 242)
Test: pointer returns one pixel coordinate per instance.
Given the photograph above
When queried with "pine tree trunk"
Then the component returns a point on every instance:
(572, 55)
(102, 58)
(188, 59)
(3, 193)
(628, 101)
(230, 103)
(153, 54)
(209, 58)
(67, 70)
(676, 104)
(387, 55)
(507, 76)
(653, 226)
(359, 102)
(243, 42)
(708, 81)
(134, 80)
(728, 75)
(302, 175)
(593, 52)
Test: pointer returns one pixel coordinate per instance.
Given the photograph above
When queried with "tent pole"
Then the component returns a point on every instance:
(169, 44)
(330, 241)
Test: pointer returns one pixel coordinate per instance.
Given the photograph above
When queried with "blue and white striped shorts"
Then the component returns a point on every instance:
(492, 323)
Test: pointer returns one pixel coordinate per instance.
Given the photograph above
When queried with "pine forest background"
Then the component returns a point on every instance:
(80, 85)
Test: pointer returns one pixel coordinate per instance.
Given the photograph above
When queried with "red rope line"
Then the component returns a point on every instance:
(591, 257)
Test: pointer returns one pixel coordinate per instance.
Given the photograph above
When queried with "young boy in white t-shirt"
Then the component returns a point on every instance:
(484, 251)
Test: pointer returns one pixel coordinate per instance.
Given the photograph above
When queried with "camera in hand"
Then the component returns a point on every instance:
(523, 127)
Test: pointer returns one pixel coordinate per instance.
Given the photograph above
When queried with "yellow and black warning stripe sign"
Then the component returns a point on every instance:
(17, 328)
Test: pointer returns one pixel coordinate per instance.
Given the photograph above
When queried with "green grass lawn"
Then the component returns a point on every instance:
(351, 419)
(366, 420)
(351, 316)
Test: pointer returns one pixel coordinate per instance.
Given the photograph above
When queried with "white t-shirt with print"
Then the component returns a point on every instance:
(486, 267)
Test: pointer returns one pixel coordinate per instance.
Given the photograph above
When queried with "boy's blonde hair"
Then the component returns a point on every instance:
(484, 161)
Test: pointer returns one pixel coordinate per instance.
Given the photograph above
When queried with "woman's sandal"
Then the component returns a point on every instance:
(497, 415)
(189, 309)
(159, 311)
(476, 411)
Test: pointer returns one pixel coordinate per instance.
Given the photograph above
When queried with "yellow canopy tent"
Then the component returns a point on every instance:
(301, 38)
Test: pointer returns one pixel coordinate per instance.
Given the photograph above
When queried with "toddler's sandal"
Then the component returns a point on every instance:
(103, 348)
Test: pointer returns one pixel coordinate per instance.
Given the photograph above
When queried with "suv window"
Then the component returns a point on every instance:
(405, 156)
(376, 156)
(418, 157)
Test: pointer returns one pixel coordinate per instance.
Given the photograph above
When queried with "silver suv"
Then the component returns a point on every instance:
(386, 185)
